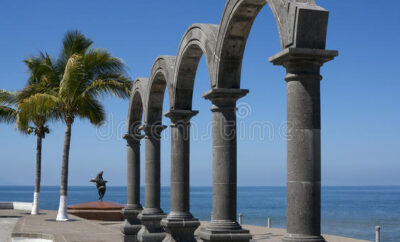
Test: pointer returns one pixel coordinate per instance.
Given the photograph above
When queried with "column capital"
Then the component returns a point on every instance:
(232, 94)
(180, 115)
(302, 54)
(303, 64)
(132, 137)
(152, 130)
(224, 99)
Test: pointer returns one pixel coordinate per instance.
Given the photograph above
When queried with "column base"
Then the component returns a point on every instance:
(132, 225)
(224, 231)
(302, 238)
(180, 229)
(151, 230)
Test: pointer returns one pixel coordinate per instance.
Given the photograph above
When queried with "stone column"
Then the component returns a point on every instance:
(152, 213)
(132, 224)
(223, 225)
(180, 224)
(303, 141)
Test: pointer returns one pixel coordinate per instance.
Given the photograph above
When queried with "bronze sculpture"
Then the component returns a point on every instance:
(100, 184)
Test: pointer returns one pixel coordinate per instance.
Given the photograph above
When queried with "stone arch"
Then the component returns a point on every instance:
(199, 39)
(160, 78)
(136, 105)
(301, 24)
(302, 27)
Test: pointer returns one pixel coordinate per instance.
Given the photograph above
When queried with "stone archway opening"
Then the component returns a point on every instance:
(261, 118)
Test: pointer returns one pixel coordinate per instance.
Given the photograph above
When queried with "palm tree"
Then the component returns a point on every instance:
(10, 112)
(85, 75)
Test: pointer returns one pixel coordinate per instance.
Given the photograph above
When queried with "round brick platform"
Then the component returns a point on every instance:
(104, 211)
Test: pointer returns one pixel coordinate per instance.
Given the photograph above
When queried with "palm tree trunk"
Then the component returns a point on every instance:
(36, 194)
(62, 209)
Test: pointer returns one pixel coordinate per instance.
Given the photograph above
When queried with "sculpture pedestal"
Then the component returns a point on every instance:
(104, 211)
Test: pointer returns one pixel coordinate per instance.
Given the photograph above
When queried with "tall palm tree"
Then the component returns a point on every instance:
(10, 112)
(85, 75)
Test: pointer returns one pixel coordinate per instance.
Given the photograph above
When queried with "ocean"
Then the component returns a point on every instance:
(346, 211)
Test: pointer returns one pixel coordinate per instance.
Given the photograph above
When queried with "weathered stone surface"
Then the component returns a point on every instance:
(180, 229)
(304, 141)
(180, 224)
(302, 29)
(199, 39)
(152, 214)
(131, 226)
(137, 104)
(160, 78)
(151, 230)
(133, 170)
(301, 24)
(223, 225)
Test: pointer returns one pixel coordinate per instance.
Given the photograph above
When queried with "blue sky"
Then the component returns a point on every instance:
(360, 90)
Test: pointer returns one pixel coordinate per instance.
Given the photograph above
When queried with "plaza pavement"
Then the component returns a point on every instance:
(45, 227)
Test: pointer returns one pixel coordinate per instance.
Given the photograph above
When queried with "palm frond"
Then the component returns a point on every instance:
(42, 70)
(39, 109)
(33, 63)
(113, 84)
(33, 89)
(40, 104)
(22, 123)
(48, 72)
(74, 42)
(8, 98)
(74, 75)
(71, 85)
(98, 62)
(7, 114)
(91, 109)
